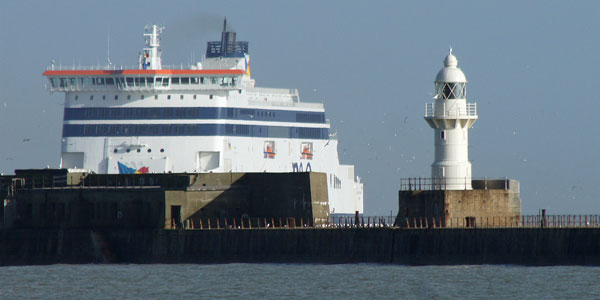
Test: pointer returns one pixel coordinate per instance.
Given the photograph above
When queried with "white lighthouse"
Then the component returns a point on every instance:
(451, 116)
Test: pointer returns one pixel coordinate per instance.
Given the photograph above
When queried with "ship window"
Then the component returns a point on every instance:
(194, 97)
(165, 81)
(128, 97)
(128, 150)
(54, 82)
(175, 80)
(156, 97)
(149, 150)
(149, 81)
(214, 80)
(307, 150)
(116, 97)
(103, 97)
(162, 150)
(142, 97)
(195, 80)
(168, 97)
(91, 97)
(185, 80)
(269, 149)
(100, 81)
(210, 96)
(76, 97)
(129, 81)
(181, 97)
(115, 151)
(139, 150)
(110, 81)
(204, 80)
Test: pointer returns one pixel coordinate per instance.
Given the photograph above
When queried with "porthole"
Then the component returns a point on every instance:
(128, 150)
(139, 150)
(149, 150)
(115, 151)
(162, 150)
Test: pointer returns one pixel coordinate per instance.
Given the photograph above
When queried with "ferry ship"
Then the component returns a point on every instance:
(207, 117)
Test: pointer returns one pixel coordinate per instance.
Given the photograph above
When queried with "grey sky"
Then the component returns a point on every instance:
(531, 65)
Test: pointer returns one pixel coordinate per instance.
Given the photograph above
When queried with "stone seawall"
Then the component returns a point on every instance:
(527, 246)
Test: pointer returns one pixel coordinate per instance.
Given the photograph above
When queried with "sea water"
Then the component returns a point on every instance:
(298, 281)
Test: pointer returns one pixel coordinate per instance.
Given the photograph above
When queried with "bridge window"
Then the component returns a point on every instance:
(195, 80)
(185, 80)
(175, 80)
(110, 81)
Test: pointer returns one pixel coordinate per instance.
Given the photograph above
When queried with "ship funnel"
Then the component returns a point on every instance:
(227, 40)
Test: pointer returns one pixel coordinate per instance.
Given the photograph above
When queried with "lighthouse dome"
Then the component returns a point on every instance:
(450, 72)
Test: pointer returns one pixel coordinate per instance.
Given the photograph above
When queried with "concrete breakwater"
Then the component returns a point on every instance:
(441, 246)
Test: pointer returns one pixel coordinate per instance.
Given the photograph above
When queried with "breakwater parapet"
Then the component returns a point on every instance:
(389, 245)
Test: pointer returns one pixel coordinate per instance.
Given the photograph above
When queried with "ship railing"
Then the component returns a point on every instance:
(113, 67)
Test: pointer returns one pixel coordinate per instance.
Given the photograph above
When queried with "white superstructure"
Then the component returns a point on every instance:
(451, 116)
(208, 117)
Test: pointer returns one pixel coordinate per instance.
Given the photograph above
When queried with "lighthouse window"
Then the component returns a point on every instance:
(443, 134)
(451, 90)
